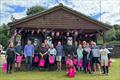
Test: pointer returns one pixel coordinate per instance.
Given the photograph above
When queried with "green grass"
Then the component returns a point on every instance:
(41, 75)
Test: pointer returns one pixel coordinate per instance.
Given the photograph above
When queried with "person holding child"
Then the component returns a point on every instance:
(70, 68)
(86, 52)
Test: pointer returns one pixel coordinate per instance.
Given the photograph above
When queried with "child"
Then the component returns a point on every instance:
(51, 52)
(104, 52)
(80, 56)
(70, 66)
(10, 54)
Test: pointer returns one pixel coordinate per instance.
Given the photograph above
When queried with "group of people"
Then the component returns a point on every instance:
(90, 58)
(84, 56)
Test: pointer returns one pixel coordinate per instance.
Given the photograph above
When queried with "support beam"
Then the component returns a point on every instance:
(103, 34)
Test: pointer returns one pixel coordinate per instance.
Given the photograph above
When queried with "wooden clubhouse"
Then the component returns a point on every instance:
(60, 20)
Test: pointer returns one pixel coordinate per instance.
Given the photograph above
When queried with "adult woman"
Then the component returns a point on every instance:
(86, 52)
(10, 56)
(43, 51)
(18, 50)
(104, 52)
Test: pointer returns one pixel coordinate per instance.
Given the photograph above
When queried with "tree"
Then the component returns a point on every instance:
(34, 9)
(113, 34)
(4, 35)
(116, 26)
(117, 32)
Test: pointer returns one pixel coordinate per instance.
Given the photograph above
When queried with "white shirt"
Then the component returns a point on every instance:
(52, 51)
(96, 52)
(104, 54)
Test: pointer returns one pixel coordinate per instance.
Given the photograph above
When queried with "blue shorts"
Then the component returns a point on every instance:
(95, 60)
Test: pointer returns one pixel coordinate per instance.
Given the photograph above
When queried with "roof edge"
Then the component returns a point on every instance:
(55, 8)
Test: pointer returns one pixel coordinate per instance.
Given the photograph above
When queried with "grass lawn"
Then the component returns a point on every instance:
(45, 75)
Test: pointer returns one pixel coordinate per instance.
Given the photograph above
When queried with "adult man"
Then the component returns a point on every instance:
(59, 49)
(96, 57)
(36, 51)
(29, 54)
(69, 49)
(10, 57)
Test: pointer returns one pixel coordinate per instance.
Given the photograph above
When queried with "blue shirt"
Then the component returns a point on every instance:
(28, 50)
(96, 51)
(59, 50)
(18, 49)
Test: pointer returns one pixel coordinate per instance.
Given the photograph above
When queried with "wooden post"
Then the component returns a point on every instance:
(103, 35)
(96, 38)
